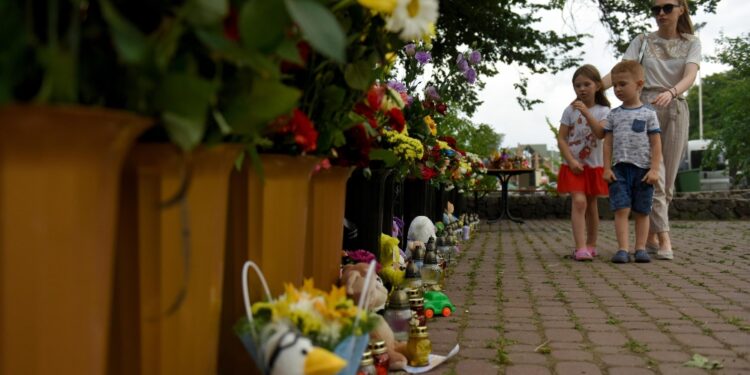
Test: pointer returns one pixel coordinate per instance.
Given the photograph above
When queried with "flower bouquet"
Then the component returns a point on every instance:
(319, 322)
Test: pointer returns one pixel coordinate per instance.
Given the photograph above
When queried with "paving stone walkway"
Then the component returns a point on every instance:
(524, 307)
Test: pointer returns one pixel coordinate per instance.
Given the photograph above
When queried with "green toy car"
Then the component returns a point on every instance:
(437, 302)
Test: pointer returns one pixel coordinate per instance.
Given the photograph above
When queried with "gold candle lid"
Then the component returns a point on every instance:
(378, 347)
(412, 293)
(399, 299)
(366, 358)
(416, 301)
(418, 331)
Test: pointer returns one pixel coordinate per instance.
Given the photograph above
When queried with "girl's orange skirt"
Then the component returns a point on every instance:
(589, 182)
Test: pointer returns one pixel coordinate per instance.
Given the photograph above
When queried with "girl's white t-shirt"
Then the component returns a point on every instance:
(582, 142)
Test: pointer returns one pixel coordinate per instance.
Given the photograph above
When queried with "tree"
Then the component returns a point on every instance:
(479, 139)
(725, 106)
(508, 31)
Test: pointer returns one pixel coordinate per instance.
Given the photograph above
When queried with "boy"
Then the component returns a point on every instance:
(633, 143)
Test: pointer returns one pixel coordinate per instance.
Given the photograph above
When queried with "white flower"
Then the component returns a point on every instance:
(413, 19)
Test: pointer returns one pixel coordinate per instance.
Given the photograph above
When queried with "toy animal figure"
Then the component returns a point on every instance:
(393, 263)
(421, 229)
(353, 278)
(448, 217)
(286, 352)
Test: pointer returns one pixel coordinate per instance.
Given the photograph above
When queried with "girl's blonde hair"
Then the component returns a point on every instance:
(684, 24)
(590, 72)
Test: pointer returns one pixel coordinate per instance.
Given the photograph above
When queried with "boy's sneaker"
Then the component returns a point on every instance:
(592, 250)
(652, 248)
(665, 255)
(621, 256)
(641, 256)
(582, 254)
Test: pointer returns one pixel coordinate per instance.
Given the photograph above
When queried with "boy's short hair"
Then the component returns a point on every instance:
(629, 66)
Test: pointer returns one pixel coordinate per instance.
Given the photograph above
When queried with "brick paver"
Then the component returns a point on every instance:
(524, 307)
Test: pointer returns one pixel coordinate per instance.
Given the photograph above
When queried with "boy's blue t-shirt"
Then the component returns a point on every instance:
(630, 128)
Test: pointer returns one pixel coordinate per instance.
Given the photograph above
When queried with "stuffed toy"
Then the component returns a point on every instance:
(393, 263)
(396, 349)
(286, 352)
(353, 279)
(421, 230)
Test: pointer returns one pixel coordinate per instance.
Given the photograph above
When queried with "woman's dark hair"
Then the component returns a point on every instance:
(590, 72)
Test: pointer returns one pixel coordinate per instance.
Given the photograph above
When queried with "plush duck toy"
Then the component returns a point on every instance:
(286, 352)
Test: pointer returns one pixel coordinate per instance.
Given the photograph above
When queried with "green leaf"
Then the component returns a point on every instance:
(320, 27)
(359, 75)
(221, 122)
(332, 100)
(131, 44)
(184, 101)
(206, 12)
(288, 51)
(387, 156)
(700, 361)
(262, 24)
(260, 63)
(184, 132)
(166, 44)
(267, 100)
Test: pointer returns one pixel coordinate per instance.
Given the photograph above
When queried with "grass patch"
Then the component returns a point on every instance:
(613, 321)
(636, 347)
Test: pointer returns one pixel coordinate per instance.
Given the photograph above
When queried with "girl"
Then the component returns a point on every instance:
(579, 140)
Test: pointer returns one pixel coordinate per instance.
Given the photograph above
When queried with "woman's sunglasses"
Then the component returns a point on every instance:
(667, 8)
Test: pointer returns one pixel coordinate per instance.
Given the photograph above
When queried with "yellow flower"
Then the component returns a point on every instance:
(443, 145)
(431, 124)
(383, 6)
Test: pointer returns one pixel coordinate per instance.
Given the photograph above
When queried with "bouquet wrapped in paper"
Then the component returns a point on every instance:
(305, 330)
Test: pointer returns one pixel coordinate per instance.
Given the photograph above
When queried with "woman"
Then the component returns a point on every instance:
(671, 57)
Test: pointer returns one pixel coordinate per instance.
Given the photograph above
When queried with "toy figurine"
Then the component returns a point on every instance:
(287, 352)
(437, 303)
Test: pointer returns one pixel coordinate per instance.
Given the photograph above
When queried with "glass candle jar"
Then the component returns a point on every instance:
(432, 273)
(419, 347)
(366, 365)
(417, 305)
(380, 357)
(397, 315)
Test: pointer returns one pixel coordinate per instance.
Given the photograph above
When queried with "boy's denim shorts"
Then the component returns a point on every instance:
(628, 191)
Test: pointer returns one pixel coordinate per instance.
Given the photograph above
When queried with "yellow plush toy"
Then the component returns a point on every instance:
(393, 264)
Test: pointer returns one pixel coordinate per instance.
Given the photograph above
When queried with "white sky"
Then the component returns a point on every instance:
(503, 113)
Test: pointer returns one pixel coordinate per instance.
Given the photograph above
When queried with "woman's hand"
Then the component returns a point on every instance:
(663, 99)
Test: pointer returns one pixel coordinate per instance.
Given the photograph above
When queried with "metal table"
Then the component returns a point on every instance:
(504, 175)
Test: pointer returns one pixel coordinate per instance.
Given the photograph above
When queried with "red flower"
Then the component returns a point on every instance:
(375, 96)
(368, 113)
(300, 127)
(231, 31)
(304, 132)
(449, 140)
(427, 173)
(396, 119)
(441, 108)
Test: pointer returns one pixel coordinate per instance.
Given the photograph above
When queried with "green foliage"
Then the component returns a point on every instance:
(505, 31)
(479, 139)
(725, 98)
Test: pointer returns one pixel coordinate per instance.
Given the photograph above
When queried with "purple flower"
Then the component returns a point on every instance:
(431, 93)
(475, 57)
(423, 57)
(459, 58)
(409, 100)
(463, 66)
(410, 49)
(471, 75)
(398, 86)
